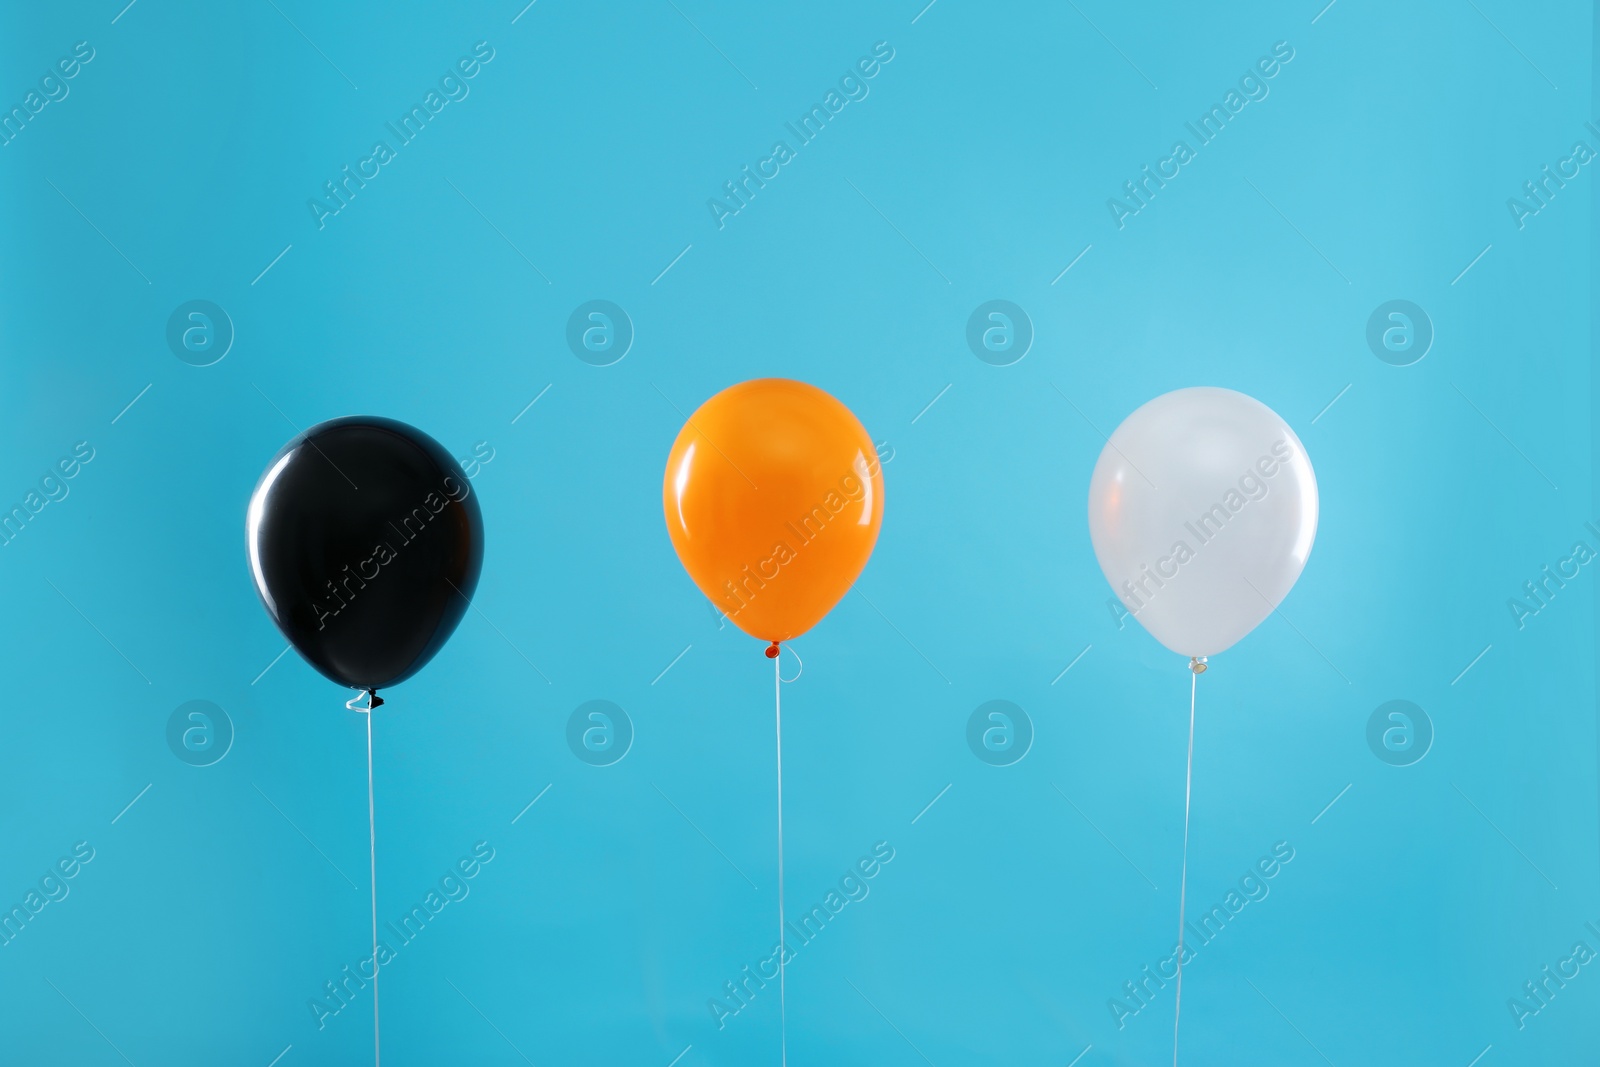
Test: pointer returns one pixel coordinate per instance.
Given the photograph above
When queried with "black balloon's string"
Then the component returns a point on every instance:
(372, 859)
(373, 701)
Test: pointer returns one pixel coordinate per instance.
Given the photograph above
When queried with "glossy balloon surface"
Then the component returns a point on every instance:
(365, 540)
(1202, 510)
(773, 498)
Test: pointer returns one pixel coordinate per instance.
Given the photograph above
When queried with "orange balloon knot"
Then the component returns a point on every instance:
(772, 653)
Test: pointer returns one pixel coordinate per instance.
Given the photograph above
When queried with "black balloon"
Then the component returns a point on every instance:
(365, 542)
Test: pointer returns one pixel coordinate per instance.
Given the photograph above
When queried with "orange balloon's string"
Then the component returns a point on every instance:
(783, 993)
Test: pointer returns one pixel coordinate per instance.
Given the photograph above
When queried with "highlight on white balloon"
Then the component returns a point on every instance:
(1202, 512)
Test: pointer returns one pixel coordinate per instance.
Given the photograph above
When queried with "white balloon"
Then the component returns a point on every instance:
(1202, 510)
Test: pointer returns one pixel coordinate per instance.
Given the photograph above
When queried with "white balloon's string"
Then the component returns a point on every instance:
(783, 999)
(1183, 880)
(372, 853)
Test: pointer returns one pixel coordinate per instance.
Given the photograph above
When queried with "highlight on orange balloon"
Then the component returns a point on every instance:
(773, 497)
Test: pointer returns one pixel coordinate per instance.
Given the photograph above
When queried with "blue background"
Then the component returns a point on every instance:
(978, 168)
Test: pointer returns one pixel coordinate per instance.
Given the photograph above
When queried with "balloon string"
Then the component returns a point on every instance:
(799, 661)
(372, 853)
(1183, 880)
(783, 999)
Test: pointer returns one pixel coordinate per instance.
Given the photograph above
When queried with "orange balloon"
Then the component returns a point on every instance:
(773, 496)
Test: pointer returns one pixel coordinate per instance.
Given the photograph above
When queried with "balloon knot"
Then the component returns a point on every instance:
(772, 653)
(373, 700)
(1197, 664)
